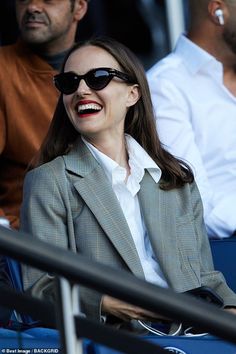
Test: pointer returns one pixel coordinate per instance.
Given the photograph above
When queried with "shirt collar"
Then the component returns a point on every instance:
(139, 160)
(196, 58)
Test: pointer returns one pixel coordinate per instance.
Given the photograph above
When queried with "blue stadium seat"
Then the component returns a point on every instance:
(33, 337)
(224, 257)
(183, 345)
(14, 271)
(43, 338)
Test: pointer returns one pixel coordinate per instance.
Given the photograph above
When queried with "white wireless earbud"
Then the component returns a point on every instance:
(220, 16)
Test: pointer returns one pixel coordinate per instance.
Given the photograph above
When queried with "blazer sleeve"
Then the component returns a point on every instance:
(43, 214)
(209, 276)
(46, 214)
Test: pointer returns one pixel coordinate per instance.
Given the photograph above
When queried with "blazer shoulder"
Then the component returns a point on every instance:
(188, 196)
(194, 190)
(54, 168)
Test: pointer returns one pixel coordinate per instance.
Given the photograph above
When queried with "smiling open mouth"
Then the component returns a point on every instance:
(89, 108)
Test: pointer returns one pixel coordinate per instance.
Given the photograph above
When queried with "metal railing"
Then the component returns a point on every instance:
(119, 284)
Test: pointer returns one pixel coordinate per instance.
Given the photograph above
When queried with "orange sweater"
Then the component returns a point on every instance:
(27, 102)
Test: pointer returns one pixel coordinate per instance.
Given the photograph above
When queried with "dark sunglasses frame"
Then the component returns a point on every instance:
(68, 82)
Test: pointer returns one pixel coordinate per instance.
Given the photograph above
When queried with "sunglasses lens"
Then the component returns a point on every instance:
(98, 79)
(67, 83)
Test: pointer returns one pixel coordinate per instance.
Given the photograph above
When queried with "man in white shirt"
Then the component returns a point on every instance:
(194, 96)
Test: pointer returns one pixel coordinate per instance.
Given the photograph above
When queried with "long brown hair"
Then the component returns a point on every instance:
(139, 122)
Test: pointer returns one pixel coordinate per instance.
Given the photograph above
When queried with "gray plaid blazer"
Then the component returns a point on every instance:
(70, 201)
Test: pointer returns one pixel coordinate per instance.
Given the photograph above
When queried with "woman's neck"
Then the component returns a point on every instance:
(114, 148)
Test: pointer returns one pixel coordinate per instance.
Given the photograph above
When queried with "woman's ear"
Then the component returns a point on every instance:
(134, 95)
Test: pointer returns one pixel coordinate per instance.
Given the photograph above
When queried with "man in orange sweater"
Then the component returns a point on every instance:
(27, 94)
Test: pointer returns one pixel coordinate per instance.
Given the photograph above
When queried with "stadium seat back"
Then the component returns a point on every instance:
(224, 257)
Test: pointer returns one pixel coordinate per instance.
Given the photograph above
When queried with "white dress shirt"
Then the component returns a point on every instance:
(126, 193)
(196, 121)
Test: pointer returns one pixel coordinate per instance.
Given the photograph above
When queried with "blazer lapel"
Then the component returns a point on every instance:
(159, 215)
(97, 193)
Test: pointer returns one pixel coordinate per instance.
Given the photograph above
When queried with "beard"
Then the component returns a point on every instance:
(230, 39)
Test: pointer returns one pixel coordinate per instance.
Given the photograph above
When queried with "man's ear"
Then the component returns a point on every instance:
(80, 9)
(134, 95)
(213, 7)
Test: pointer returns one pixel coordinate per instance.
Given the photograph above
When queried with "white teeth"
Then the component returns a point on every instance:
(83, 107)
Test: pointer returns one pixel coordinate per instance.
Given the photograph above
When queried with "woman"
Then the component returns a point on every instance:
(106, 188)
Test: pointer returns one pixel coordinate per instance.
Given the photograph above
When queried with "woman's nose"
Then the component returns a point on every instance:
(83, 88)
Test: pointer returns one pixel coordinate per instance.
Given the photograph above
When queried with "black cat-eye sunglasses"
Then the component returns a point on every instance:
(96, 79)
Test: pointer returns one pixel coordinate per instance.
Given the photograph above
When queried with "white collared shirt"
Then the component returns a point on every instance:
(126, 194)
(196, 121)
